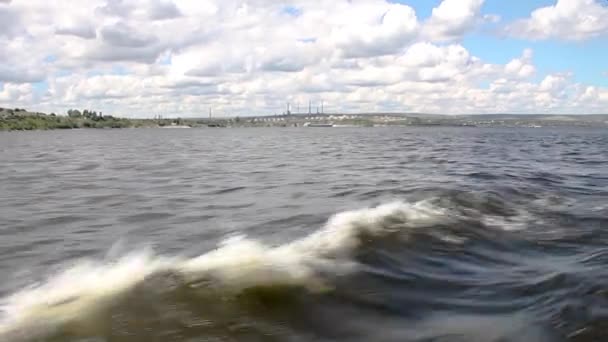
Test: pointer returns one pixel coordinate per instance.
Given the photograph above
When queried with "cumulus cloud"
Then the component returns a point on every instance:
(11, 23)
(162, 10)
(145, 54)
(555, 83)
(16, 93)
(377, 33)
(290, 57)
(118, 8)
(567, 19)
(521, 67)
(20, 75)
(99, 87)
(120, 42)
(122, 35)
(180, 57)
(83, 30)
(432, 63)
(453, 18)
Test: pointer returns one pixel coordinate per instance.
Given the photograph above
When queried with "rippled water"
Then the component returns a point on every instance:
(340, 234)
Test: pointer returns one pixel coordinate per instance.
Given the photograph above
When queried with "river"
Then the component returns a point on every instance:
(304, 234)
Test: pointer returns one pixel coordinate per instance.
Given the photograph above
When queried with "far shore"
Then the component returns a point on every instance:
(22, 120)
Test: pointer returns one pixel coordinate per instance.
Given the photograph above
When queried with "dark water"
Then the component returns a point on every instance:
(383, 234)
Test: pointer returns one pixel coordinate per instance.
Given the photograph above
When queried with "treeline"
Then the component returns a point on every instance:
(89, 114)
(20, 119)
(16, 110)
(13, 119)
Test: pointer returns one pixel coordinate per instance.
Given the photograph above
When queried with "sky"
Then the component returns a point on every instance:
(181, 58)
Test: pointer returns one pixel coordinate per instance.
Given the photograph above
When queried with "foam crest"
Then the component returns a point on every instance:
(241, 263)
(79, 293)
(343, 232)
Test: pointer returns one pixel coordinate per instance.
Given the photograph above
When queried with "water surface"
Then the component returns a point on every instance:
(310, 234)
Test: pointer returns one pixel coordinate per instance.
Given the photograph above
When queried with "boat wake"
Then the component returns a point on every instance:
(81, 292)
(85, 298)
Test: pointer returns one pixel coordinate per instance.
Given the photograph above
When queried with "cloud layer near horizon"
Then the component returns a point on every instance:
(149, 57)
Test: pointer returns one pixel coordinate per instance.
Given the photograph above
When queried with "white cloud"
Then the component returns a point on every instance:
(554, 83)
(82, 30)
(180, 57)
(379, 30)
(567, 19)
(453, 18)
(20, 75)
(16, 93)
(122, 35)
(521, 67)
(11, 22)
(162, 10)
(432, 63)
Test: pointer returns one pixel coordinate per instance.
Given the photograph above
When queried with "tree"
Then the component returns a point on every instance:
(74, 113)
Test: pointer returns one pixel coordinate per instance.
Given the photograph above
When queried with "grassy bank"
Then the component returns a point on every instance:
(20, 119)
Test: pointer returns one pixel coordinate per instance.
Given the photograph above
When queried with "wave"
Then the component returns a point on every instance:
(80, 292)
(75, 297)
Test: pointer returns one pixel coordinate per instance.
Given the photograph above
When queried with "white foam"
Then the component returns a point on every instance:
(241, 263)
(79, 293)
(520, 221)
(341, 235)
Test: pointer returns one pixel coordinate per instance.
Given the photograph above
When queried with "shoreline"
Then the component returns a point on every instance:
(301, 127)
(29, 121)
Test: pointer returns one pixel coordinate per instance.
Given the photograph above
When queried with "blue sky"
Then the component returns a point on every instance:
(508, 10)
(144, 58)
(585, 59)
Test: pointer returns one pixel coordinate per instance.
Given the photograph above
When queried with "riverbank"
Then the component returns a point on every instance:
(20, 119)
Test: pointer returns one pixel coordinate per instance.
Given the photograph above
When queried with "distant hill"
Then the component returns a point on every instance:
(550, 117)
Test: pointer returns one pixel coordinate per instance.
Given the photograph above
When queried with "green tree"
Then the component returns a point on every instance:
(74, 113)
